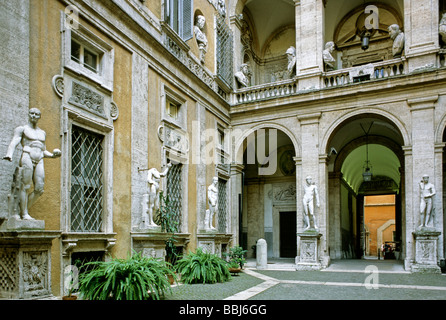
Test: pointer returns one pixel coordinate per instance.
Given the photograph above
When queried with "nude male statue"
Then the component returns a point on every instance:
(32, 139)
(427, 191)
(151, 199)
(310, 194)
(213, 204)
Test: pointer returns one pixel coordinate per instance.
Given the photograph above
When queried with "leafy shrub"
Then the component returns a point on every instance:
(236, 257)
(202, 267)
(135, 278)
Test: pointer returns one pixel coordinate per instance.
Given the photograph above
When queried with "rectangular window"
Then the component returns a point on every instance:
(85, 57)
(172, 109)
(86, 181)
(224, 52)
(179, 16)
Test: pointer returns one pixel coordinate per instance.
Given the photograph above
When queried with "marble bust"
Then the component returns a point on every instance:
(242, 75)
(398, 39)
(329, 61)
(200, 37)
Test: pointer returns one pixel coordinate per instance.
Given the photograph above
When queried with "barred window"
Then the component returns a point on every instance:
(174, 191)
(222, 205)
(86, 181)
(224, 52)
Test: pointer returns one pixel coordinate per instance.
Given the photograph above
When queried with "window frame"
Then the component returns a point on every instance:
(93, 43)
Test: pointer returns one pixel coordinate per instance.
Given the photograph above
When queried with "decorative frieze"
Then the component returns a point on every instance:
(84, 97)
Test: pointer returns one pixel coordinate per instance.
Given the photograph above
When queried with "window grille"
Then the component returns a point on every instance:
(86, 181)
(80, 259)
(222, 205)
(174, 191)
(224, 51)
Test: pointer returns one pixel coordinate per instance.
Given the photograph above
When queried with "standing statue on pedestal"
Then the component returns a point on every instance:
(213, 204)
(200, 37)
(398, 40)
(310, 195)
(427, 192)
(151, 201)
(30, 170)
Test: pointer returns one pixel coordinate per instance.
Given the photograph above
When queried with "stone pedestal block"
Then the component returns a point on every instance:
(15, 223)
(25, 264)
(213, 242)
(262, 255)
(153, 244)
(426, 251)
(308, 258)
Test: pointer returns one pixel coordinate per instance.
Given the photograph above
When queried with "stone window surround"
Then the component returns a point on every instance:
(86, 38)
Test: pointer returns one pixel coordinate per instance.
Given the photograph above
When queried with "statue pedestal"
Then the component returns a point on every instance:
(15, 223)
(152, 243)
(25, 263)
(426, 250)
(308, 258)
(213, 242)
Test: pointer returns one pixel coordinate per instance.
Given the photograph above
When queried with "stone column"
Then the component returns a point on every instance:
(236, 205)
(14, 85)
(309, 42)
(423, 161)
(335, 238)
(139, 134)
(421, 19)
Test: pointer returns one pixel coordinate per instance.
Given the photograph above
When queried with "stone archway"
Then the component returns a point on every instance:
(346, 146)
(268, 198)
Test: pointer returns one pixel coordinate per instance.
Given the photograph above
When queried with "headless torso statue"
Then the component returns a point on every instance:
(310, 195)
(32, 139)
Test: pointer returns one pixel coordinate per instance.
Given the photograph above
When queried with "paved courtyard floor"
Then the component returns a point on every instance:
(342, 280)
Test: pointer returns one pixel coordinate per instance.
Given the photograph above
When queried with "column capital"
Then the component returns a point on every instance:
(422, 102)
(310, 118)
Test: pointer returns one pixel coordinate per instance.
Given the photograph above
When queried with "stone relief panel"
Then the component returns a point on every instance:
(87, 98)
(35, 272)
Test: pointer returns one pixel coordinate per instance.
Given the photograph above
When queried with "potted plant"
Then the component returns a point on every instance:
(202, 267)
(134, 278)
(236, 257)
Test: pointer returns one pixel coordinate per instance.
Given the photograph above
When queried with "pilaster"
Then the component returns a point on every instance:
(421, 19)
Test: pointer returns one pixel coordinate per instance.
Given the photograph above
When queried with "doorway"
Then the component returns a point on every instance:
(288, 240)
(380, 241)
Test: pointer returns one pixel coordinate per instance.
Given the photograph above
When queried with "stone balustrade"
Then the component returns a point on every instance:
(266, 91)
(336, 78)
(377, 70)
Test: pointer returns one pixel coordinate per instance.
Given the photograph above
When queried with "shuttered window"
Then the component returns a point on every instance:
(179, 16)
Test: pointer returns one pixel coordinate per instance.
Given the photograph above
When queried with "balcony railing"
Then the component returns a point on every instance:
(337, 78)
(377, 70)
(266, 91)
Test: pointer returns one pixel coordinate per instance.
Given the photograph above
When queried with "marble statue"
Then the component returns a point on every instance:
(31, 169)
(200, 37)
(427, 192)
(442, 28)
(242, 75)
(213, 204)
(291, 67)
(398, 39)
(329, 61)
(310, 196)
(151, 199)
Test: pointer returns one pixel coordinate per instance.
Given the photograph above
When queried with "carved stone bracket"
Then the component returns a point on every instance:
(58, 85)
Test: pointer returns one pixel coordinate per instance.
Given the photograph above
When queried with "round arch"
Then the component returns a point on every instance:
(390, 118)
(241, 136)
